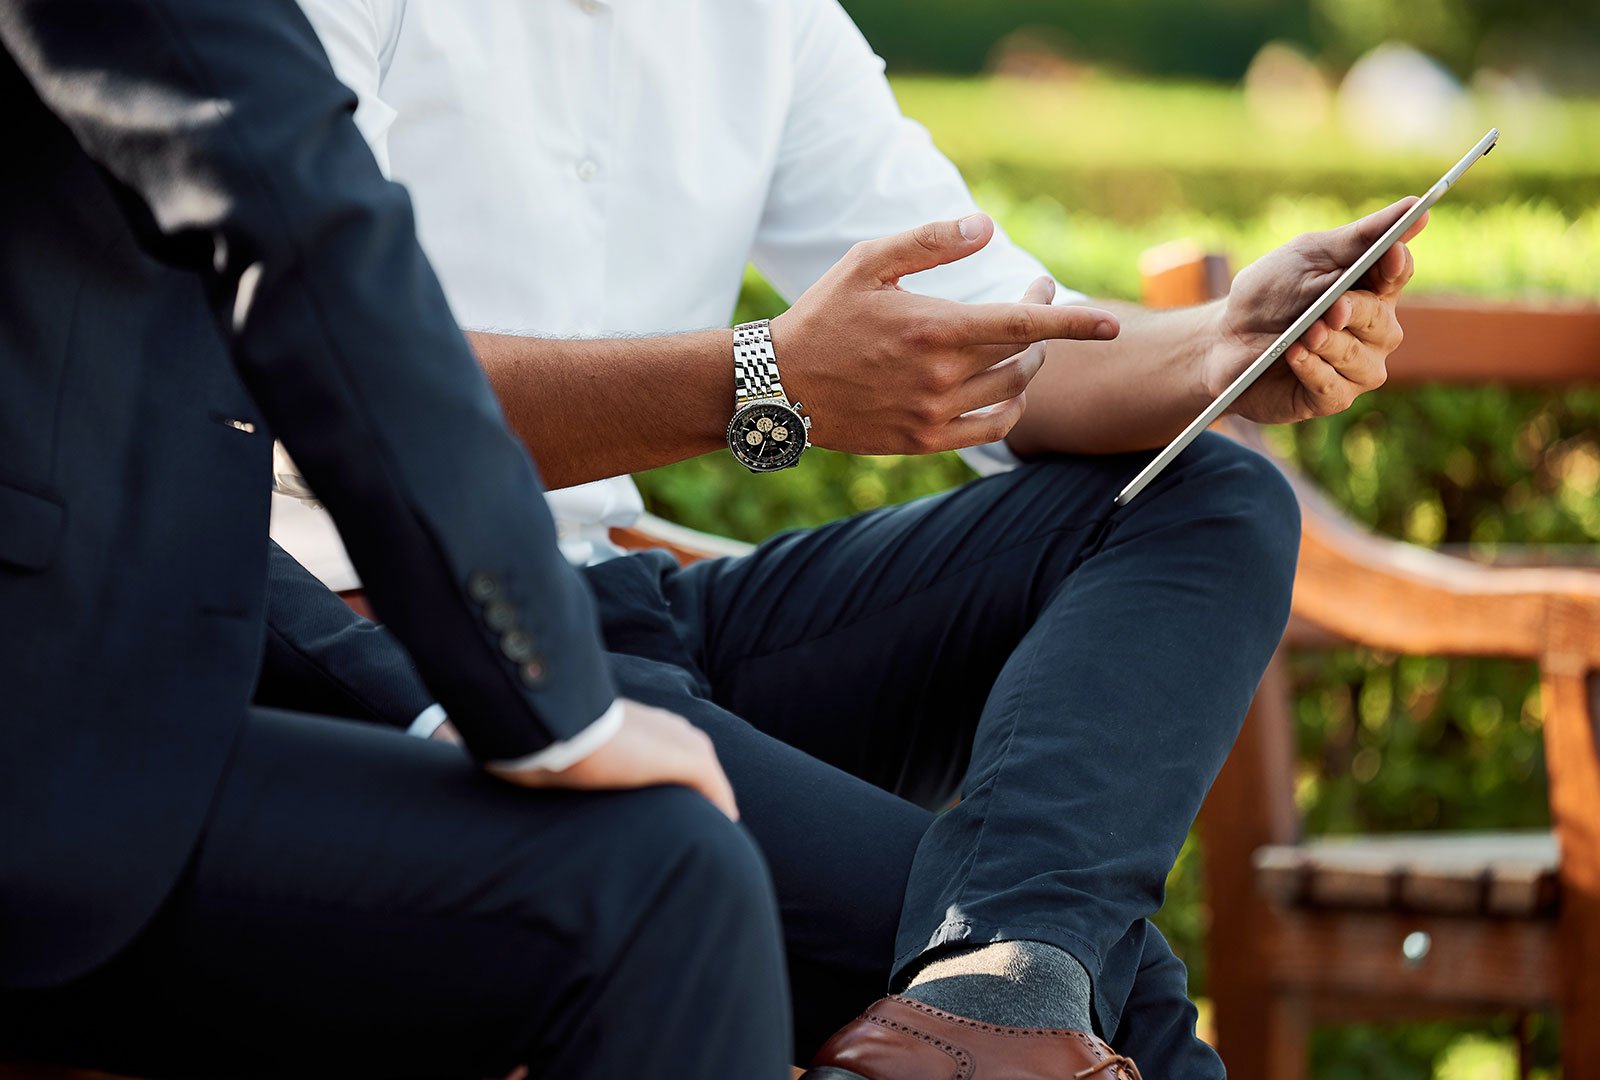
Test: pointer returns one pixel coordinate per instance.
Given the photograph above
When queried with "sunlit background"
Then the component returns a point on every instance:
(1095, 129)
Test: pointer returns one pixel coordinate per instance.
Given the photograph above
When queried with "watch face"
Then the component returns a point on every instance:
(766, 435)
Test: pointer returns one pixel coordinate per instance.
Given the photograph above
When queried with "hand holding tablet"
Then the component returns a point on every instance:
(1345, 281)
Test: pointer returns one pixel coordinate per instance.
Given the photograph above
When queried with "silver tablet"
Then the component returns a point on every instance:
(1347, 280)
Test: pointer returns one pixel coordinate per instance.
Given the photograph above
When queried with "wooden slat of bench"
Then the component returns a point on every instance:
(687, 545)
(1500, 873)
(1180, 273)
(1496, 343)
(1501, 964)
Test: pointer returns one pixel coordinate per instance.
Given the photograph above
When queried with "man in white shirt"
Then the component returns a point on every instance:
(1076, 673)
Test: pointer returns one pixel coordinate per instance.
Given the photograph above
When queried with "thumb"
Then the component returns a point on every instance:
(1345, 244)
(1042, 291)
(934, 244)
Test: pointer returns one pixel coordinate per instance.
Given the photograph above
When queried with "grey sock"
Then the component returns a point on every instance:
(1009, 983)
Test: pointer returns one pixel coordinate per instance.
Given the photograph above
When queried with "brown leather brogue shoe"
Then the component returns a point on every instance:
(901, 1039)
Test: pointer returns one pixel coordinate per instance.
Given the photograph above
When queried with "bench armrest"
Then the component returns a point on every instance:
(687, 545)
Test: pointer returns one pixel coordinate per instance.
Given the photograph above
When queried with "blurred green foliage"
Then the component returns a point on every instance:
(1462, 33)
(1511, 250)
(1128, 151)
(1385, 743)
(1217, 40)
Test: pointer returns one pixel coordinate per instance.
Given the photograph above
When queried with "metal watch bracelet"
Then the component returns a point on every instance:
(755, 364)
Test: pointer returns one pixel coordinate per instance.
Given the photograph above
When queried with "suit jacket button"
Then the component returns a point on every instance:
(500, 616)
(533, 672)
(483, 587)
(518, 647)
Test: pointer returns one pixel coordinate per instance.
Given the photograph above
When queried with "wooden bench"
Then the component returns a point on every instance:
(1411, 927)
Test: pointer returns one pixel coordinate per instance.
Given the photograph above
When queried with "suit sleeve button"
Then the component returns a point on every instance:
(533, 672)
(518, 647)
(500, 616)
(483, 587)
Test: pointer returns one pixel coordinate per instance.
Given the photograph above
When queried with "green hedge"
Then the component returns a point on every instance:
(1132, 151)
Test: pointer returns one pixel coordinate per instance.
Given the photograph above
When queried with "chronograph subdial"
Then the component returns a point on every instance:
(767, 435)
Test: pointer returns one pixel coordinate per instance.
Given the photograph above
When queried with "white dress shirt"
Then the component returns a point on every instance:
(590, 168)
(601, 168)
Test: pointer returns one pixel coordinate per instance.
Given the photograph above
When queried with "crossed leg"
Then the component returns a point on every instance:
(1075, 672)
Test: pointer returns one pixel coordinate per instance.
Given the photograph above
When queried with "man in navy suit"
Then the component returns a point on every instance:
(197, 252)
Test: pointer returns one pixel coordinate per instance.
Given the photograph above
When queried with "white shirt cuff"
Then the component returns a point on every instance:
(987, 459)
(563, 755)
(553, 758)
(428, 721)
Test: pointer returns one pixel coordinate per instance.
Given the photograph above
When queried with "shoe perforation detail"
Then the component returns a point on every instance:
(1091, 1043)
(962, 1059)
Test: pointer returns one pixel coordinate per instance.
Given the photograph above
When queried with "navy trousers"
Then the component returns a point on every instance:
(1074, 672)
(366, 904)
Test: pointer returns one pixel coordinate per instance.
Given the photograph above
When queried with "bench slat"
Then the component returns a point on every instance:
(1511, 874)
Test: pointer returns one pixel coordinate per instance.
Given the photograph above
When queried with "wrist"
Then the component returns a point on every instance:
(805, 378)
(560, 756)
(1216, 350)
(786, 337)
(769, 430)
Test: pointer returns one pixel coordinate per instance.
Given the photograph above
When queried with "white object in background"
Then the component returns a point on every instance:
(1396, 98)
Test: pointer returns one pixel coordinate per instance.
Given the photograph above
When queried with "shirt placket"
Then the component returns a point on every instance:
(595, 164)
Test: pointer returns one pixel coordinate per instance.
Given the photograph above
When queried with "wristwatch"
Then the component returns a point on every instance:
(767, 432)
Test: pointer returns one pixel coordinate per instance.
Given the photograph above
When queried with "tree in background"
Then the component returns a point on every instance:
(1560, 39)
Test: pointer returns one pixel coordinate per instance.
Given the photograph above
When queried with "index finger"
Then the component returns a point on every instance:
(1024, 324)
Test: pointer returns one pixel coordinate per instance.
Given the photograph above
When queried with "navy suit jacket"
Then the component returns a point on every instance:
(197, 251)
(321, 657)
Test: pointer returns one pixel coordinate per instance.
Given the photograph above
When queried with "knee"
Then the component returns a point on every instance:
(710, 872)
(667, 882)
(1251, 498)
(716, 858)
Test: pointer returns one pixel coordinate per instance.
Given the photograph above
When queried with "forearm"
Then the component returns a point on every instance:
(1133, 393)
(587, 410)
(1140, 390)
(240, 165)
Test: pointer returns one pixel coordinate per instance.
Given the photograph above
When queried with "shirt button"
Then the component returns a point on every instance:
(587, 170)
(590, 7)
